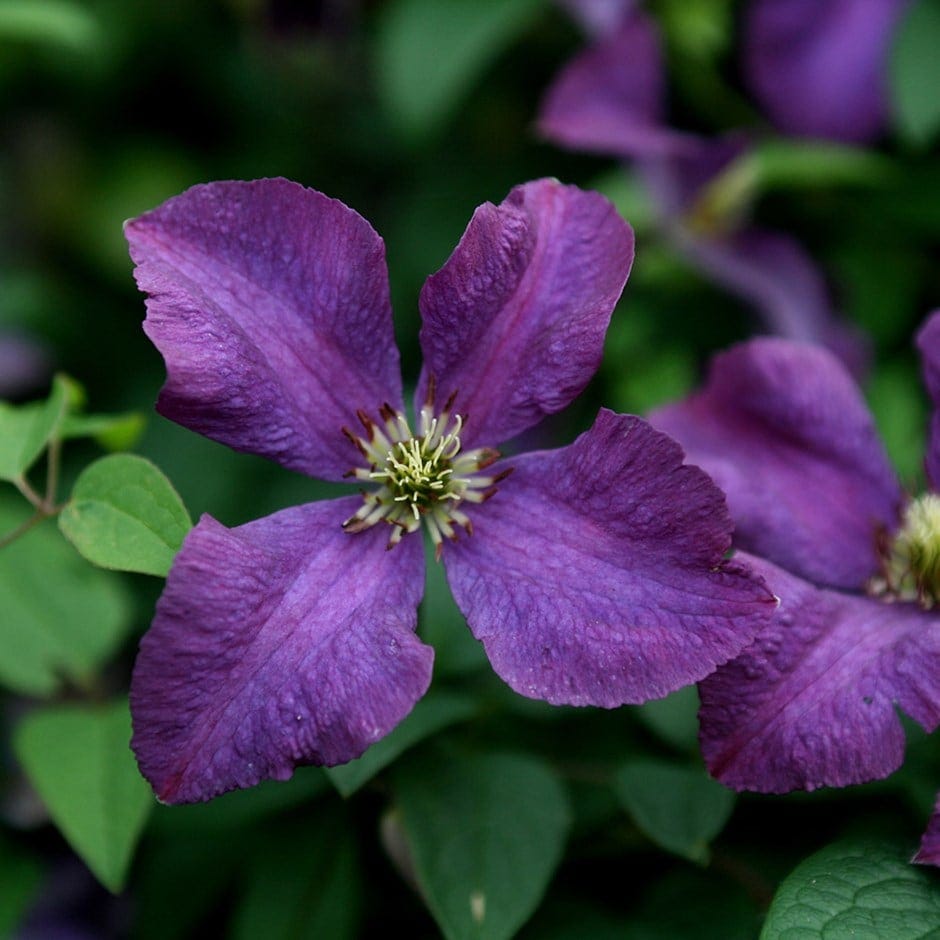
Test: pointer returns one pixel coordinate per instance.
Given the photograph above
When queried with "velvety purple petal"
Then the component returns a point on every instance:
(611, 98)
(270, 305)
(820, 69)
(514, 322)
(598, 17)
(785, 432)
(596, 574)
(928, 342)
(285, 641)
(812, 702)
(929, 853)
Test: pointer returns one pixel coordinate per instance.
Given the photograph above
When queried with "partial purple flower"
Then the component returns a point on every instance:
(820, 69)
(929, 853)
(594, 574)
(812, 702)
(611, 99)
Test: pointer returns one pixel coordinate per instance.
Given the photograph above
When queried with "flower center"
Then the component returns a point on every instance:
(911, 561)
(420, 478)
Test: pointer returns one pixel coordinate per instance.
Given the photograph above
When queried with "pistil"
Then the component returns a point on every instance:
(419, 478)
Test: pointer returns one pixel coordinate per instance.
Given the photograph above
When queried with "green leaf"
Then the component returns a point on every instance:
(674, 718)
(240, 808)
(679, 808)
(444, 627)
(303, 883)
(915, 73)
(26, 430)
(901, 415)
(435, 711)
(431, 52)
(856, 889)
(61, 618)
(113, 432)
(125, 514)
(20, 875)
(79, 760)
(486, 834)
(56, 22)
(169, 868)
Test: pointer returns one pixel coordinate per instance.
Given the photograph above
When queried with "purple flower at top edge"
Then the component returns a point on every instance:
(611, 99)
(785, 432)
(819, 68)
(593, 574)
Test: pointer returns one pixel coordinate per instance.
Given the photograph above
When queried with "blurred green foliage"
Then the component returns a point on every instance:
(413, 112)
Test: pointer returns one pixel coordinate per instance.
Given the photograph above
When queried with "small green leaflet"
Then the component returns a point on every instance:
(486, 834)
(435, 711)
(679, 808)
(856, 889)
(125, 514)
(51, 22)
(431, 52)
(78, 759)
(113, 432)
(915, 73)
(61, 618)
(26, 430)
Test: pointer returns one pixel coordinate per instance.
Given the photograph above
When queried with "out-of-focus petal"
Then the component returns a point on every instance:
(598, 17)
(785, 432)
(820, 69)
(769, 271)
(611, 98)
(282, 642)
(596, 574)
(676, 182)
(812, 701)
(25, 364)
(773, 273)
(928, 342)
(514, 322)
(270, 305)
(929, 853)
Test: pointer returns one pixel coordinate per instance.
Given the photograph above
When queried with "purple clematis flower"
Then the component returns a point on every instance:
(593, 574)
(611, 99)
(783, 429)
(820, 69)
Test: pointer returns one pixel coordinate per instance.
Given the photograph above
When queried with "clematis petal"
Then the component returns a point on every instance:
(820, 69)
(929, 853)
(928, 342)
(270, 305)
(515, 320)
(611, 98)
(812, 701)
(785, 432)
(595, 575)
(282, 642)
